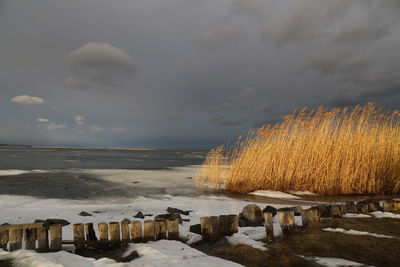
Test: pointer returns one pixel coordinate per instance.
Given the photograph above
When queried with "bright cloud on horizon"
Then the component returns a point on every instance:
(27, 100)
(54, 126)
(79, 119)
(43, 120)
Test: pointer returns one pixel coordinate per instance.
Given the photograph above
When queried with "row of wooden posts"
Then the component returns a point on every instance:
(113, 234)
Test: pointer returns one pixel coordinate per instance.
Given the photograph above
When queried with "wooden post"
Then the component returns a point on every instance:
(388, 206)
(55, 237)
(30, 238)
(396, 205)
(215, 226)
(43, 239)
(286, 220)
(269, 225)
(233, 220)
(209, 228)
(125, 233)
(362, 208)
(223, 225)
(79, 237)
(335, 211)
(136, 231)
(161, 229)
(15, 236)
(373, 206)
(149, 230)
(115, 234)
(103, 233)
(173, 229)
(90, 234)
(3, 239)
(310, 218)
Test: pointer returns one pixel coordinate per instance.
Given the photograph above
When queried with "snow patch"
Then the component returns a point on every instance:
(242, 239)
(19, 172)
(303, 193)
(355, 232)
(333, 262)
(355, 215)
(274, 194)
(380, 214)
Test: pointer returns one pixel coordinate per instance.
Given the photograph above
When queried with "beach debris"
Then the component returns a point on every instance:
(251, 215)
(49, 222)
(175, 210)
(139, 215)
(84, 213)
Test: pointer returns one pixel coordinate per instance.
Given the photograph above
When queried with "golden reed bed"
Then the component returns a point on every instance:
(337, 151)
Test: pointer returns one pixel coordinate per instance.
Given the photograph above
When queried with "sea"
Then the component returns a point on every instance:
(79, 173)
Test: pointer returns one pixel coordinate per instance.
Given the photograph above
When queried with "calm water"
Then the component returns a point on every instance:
(93, 174)
(28, 158)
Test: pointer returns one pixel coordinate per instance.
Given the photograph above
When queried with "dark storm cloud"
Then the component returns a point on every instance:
(99, 66)
(182, 73)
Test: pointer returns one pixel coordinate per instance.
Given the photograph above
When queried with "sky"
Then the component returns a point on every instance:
(186, 73)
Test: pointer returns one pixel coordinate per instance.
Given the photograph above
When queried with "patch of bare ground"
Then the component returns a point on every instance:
(368, 250)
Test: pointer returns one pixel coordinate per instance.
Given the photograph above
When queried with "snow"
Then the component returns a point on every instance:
(160, 253)
(380, 214)
(273, 194)
(356, 215)
(333, 262)
(355, 232)
(19, 172)
(303, 193)
(242, 239)
(168, 253)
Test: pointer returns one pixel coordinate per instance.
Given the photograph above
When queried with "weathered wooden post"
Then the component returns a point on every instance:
(55, 237)
(161, 229)
(286, 220)
(30, 238)
(223, 225)
(149, 231)
(125, 233)
(43, 239)
(209, 228)
(396, 205)
(15, 236)
(136, 231)
(103, 233)
(79, 236)
(310, 218)
(90, 234)
(373, 206)
(233, 222)
(362, 208)
(115, 234)
(335, 211)
(388, 206)
(173, 229)
(269, 225)
(4, 239)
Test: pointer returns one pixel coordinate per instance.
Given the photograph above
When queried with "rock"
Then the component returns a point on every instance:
(5, 224)
(175, 210)
(126, 220)
(270, 209)
(49, 222)
(169, 216)
(139, 215)
(195, 229)
(323, 211)
(298, 211)
(148, 215)
(84, 213)
(251, 215)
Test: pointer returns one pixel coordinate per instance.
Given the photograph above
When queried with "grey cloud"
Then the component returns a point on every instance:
(100, 66)
(228, 122)
(27, 100)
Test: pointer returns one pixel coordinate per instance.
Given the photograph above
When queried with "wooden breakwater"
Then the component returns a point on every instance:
(38, 236)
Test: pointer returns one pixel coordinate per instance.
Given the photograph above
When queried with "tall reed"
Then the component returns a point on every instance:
(336, 151)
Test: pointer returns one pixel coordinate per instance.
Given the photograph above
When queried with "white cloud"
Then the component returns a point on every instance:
(43, 120)
(27, 100)
(80, 120)
(54, 126)
(95, 128)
